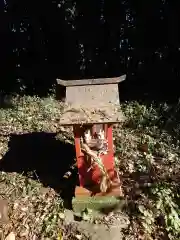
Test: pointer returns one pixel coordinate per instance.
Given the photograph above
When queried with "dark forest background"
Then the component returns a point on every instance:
(48, 39)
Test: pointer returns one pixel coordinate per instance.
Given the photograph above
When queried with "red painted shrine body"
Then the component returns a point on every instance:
(93, 106)
(89, 179)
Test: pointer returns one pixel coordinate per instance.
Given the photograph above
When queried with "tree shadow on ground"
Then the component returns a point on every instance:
(49, 159)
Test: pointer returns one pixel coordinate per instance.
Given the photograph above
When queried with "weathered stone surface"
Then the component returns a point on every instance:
(92, 81)
(97, 203)
(88, 96)
(105, 232)
(68, 216)
(11, 236)
(4, 212)
(92, 115)
(91, 101)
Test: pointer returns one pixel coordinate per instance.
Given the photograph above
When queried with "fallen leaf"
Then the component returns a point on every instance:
(61, 215)
(144, 148)
(60, 235)
(78, 236)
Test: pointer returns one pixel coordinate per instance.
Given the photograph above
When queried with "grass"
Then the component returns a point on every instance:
(149, 164)
(147, 156)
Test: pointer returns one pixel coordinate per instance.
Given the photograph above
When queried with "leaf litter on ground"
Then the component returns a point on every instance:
(147, 158)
